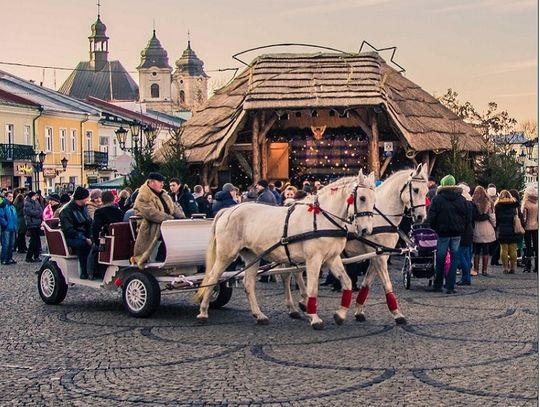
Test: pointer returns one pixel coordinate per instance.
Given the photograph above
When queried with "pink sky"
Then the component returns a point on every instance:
(486, 50)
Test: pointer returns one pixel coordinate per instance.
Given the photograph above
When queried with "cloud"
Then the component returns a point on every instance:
(321, 7)
(497, 6)
(512, 67)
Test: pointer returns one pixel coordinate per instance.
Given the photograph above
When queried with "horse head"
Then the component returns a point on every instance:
(413, 194)
(362, 198)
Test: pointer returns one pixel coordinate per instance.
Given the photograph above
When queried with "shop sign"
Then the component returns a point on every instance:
(49, 172)
(22, 169)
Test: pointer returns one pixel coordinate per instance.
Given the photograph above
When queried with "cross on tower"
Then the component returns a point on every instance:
(98, 8)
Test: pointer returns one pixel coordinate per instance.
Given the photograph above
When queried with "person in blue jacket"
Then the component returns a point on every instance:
(8, 228)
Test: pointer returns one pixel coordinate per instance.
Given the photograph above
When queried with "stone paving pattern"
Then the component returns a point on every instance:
(477, 347)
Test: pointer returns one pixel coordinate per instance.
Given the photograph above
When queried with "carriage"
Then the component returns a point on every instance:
(421, 262)
(181, 269)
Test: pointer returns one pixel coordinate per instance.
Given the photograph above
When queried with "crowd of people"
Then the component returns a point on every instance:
(475, 228)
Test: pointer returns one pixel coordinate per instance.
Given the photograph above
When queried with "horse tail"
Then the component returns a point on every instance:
(210, 261)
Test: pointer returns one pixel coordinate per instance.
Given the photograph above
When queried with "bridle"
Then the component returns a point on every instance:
(410, 207)
(354, 198)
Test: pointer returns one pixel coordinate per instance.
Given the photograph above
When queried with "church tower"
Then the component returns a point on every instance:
(155, 77)
(190, 82)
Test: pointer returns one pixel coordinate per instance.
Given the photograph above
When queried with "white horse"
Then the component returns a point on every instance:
(404, 190)
(250, 229)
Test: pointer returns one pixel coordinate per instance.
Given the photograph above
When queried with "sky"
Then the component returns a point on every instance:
(486, 50)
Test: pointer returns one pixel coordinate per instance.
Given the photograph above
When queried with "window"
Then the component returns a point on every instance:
(27, 136)
(9, 133)
(63, 134)
(154, 90)
(88, 141)
(104, 144)
(48, 139)
(73, 180)
(182, 97)
(73, 140)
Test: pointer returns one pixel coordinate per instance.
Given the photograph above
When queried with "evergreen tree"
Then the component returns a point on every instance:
(175, 164)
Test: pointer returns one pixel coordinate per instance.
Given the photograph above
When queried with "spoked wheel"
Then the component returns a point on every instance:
(406, 272)
(141, 294)
(221, 294)
(52, 286)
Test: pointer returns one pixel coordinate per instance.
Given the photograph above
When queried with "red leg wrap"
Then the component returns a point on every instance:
(391, 301)
(362, 295)
(312, 305)
(346, 298)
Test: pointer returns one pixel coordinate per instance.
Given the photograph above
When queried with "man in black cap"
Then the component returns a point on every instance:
(155, 206)
(77, 227)
(265, 195)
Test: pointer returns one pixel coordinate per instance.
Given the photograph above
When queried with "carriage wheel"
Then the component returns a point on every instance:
(141, 294)
(52, 286)
(406, 272)
(221, 295)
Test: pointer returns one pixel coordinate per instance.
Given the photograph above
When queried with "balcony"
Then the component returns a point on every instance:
(97, 159)
(16, 152)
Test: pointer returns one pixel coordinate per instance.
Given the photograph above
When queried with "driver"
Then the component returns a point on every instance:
(154, 206)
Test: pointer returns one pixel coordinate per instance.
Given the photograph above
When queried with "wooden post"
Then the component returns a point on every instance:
(256, 152)
(264, 159)
(205, 180)
(432, 164)
(264, 127)
(374, 162)
(386, 162)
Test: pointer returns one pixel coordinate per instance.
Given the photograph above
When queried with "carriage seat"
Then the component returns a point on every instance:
(118, 243)
(56, 240)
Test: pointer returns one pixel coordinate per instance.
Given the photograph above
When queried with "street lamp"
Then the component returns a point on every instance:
(64, 162)
(121, 136)
(38, 165)
(529, 145)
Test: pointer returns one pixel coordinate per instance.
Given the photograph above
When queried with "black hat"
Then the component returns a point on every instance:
(157, 176)
(54, 197)
(30, 194)
(64, 198)
(80, 193)
(263, 183)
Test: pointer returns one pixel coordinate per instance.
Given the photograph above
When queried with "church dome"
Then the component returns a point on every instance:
(98, 29)
(154, 55)
(190, 64)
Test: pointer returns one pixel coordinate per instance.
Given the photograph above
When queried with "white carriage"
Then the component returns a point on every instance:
(182, 268)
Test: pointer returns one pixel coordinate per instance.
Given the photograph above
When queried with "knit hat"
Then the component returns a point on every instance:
(64, 198)
(95, 194)
(448, 181)
(80, 193)
(228, 187)
(54, 197)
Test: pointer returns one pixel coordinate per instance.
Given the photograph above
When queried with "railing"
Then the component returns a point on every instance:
(96, 159)
(15, 152)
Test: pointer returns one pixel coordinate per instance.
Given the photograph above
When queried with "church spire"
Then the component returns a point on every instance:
(99, 43)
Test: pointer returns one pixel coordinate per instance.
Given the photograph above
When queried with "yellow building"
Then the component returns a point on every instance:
(62, 127)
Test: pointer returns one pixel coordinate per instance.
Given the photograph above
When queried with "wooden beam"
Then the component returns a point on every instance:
(243, 163)
(374, 162)
(256, 156)
(432, 164)
(242, 147)
(386, 162)
(363, 125)
(265, 126)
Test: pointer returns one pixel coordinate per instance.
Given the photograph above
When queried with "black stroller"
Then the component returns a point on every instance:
(420, 264)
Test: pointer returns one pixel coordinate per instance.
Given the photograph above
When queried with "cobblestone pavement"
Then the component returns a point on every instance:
(478, 347)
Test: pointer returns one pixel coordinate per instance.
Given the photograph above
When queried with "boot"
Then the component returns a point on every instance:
(476, 265)
(485, 263)
(526, 264)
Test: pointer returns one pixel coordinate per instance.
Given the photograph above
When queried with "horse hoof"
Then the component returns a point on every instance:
(263, 321)
(318, 326)
(401, 321)
(303, 308)
(360, 317)
(295, 315)
(338, 319)
(202, 320)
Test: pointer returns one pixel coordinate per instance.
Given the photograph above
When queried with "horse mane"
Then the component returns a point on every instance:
(337, 184)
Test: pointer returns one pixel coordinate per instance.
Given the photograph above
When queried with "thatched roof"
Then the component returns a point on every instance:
(324, 80)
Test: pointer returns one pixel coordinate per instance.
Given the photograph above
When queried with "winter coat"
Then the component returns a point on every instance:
(19, 207)
(266, 196)
(154, 209)
(58, 210)
(32, 213)
(484, 226)
(505, 210)
(448, 213)
(48, 212)
(530, 213)
(121, 204)
(467, 235)
(75, 222)
(432, 192)
(8, 217)
(277, 195)
(92, 207)
(204, 206)
(222, 200)
(103, 217)
(186, 201)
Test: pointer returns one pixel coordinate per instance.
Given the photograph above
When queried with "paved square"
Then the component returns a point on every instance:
(478, 347)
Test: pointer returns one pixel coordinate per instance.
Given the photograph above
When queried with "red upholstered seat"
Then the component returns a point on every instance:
(118, 243)
(55, 238)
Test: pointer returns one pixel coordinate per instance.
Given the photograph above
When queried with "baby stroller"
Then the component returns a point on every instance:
(420, 264)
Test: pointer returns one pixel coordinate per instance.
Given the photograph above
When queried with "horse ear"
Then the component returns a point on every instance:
(419, 169)
(371, 178)
(361, 176)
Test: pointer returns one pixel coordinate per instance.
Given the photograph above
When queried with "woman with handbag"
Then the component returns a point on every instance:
(484, 230)
(508, 232)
